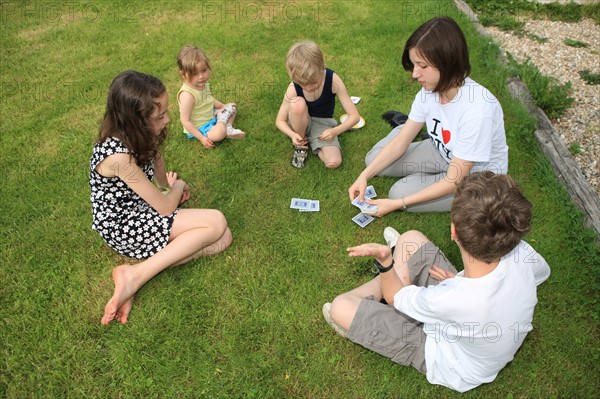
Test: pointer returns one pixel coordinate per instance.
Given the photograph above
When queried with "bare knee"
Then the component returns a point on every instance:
(331, 157)
(218, 132)
(298, 106)
(219, 223)
(343, 310)
(332, 163)
(337, 308)
(410, 242)
(219, 236)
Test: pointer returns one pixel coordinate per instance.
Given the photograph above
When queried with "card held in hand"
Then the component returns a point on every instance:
(370, 192)
(364, 206)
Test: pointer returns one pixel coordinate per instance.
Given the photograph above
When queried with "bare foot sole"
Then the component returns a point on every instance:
(122, 297)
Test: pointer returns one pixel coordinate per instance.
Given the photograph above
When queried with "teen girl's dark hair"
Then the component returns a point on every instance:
(442, 43)
(132, 97)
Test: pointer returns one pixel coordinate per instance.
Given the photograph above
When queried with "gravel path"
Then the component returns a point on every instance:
(581, 123)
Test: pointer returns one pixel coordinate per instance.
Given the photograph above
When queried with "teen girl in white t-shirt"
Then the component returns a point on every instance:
(464, 122)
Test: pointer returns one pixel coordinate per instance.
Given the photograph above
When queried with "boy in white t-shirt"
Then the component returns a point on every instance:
(461, 332)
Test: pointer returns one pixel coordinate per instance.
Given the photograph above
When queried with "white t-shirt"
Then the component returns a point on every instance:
(470, 127)
(474, 326)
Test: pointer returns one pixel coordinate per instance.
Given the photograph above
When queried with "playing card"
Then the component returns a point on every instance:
(364, 206)
(370, 192)
(314, 206)
(301, 204)
(370, 210)
(362, 220)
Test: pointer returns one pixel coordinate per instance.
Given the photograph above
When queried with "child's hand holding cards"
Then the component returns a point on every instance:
(366, 209)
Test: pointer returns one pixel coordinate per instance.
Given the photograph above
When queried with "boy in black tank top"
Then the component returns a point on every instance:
(306, 113)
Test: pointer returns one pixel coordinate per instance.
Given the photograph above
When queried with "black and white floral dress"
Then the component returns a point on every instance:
(127, 223)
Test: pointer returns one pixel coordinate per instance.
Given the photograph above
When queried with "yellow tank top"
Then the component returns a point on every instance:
(203, 109)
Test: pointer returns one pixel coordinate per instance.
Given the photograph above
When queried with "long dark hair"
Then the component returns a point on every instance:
(442, 43)
(131, 99)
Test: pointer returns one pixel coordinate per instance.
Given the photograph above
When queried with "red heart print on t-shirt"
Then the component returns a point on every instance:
(445, 135)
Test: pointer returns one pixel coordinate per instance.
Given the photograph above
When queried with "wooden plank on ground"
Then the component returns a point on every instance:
(561, 159)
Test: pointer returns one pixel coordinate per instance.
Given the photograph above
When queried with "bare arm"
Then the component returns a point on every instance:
(186, 105)
(390, 280)
(160, 173)
(217, 104)
(124, 167)
(281, 121)
(353, 116)
(457, 170)
(390, 153)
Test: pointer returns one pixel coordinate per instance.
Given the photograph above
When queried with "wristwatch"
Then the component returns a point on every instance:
(383, 269)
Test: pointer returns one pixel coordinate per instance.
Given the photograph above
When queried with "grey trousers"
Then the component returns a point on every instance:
(419, 167)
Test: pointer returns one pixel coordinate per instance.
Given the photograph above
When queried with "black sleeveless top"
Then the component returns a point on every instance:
(323, 106)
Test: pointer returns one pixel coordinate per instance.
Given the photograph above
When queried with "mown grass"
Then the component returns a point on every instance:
(246, 323)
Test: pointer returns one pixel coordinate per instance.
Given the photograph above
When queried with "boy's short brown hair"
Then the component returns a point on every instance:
(442, 43)
(304, 63)
(490, 215)
(188, 59)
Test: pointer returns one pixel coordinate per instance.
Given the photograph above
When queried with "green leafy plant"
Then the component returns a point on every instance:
(509, 15)
(590, 78)
(547, 93)
(575, 43)
(575, 149)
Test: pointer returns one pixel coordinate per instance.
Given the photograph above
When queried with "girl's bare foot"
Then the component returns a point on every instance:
(120, 303)
(123, 311)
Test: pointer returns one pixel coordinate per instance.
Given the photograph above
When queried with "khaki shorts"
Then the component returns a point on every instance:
(389, 332)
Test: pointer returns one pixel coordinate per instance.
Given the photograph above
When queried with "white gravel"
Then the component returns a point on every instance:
(579, 125)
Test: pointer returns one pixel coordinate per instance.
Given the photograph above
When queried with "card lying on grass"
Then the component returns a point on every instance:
(305, 205)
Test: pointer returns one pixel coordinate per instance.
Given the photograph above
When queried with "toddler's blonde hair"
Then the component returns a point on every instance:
(188, 58)
(304, 62)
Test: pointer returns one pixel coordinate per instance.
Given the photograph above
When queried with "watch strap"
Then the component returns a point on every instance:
(383, 269)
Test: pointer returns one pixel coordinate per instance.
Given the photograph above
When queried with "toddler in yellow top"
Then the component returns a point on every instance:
(203, 117)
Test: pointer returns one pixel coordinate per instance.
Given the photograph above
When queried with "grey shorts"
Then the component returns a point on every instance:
(389, 332)
(316, 126)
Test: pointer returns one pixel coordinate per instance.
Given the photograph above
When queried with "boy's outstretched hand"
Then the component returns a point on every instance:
(381, 252)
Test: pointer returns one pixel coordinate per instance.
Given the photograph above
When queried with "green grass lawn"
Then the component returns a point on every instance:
(246, 323)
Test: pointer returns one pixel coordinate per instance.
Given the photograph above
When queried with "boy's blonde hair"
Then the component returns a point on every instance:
(188, 59)
(304, 62)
